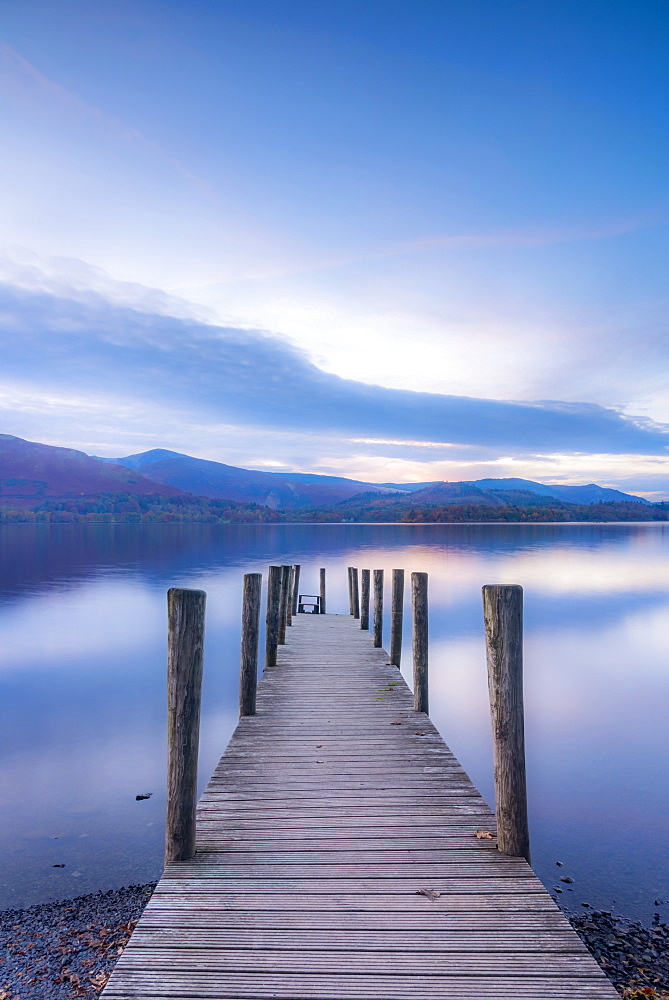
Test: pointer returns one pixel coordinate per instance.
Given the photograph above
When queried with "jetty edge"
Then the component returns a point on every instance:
(342, 852)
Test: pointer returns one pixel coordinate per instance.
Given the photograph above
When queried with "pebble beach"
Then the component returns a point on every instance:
(67, 949)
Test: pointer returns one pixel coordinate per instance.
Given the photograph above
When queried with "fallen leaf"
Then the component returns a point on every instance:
(484, 835)
(100, 979)
(419, 734)
(431, 894)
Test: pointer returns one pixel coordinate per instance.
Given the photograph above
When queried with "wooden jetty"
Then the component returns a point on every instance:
(337, 858)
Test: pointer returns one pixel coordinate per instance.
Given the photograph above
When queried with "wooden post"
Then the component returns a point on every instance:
(419, 622)
(350, 590)
(321, 574)
(248, 670)
(503, 617)
(378, 608)
(364, 599)
(397, 617)
(289, 596)
(272, 618)
(185, 645)
(355, 592)
(296, 587)
(283, 602)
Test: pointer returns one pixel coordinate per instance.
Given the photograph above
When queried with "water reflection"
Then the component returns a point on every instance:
(82, 664)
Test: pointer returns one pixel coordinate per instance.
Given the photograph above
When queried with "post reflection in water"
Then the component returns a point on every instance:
(82, 668)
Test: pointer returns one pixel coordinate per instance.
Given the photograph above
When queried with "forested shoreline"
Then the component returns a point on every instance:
(132, 509)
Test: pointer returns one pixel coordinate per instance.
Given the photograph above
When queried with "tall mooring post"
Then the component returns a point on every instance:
(364, 599)
(283, 603)
(289, 596)
(296, 586)
(420, 641)
(272, 616)
(503, 618)
(355, 593)
(185, 648)
(396, 616)
(378, 608)
(248, 668)
(321, 577)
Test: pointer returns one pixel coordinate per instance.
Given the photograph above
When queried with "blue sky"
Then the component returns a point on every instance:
(399, 240)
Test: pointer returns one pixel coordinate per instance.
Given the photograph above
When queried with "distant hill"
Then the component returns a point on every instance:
(277, 490)
(296, 490)
(410, 487)
(438, 495)
(572, 494)
(32, 472)
(444, 493)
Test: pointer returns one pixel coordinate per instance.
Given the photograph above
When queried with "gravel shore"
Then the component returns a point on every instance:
(66, 949)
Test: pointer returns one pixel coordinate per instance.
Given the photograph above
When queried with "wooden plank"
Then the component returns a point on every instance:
(332, 813)
(507, 925)
(285, 986)
(365, 902)
(359, 939)
(319, 882)
(426, 963)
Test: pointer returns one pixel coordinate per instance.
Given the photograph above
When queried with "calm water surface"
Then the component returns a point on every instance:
(82, 670)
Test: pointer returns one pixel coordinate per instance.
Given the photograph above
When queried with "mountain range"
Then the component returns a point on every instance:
(31, 473)
(277, 490)
(291, 490)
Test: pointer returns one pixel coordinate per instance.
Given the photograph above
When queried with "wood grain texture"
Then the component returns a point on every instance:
(284, 598)
(355, 592)
(364, 599)
(296, 586)
(248, 670)
(377, 578)
(333, 808)
(419, 611)
(321, 580)
(503, 619)
(272, 615)
(289, 596)
(396, 616)
(185, 649)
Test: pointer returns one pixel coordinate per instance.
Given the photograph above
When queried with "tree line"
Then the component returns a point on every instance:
(129, 508)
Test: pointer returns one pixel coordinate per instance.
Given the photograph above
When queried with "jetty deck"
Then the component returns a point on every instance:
(337, 858)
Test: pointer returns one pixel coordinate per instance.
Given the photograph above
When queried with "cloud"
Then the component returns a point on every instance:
(215, 374)
(76, 280)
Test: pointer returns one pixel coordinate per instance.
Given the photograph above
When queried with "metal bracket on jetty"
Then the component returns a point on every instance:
(340, 851)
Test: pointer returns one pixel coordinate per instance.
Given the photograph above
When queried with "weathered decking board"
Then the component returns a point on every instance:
(328, 813)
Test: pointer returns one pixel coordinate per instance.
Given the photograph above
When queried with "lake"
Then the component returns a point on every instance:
(82, 669)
